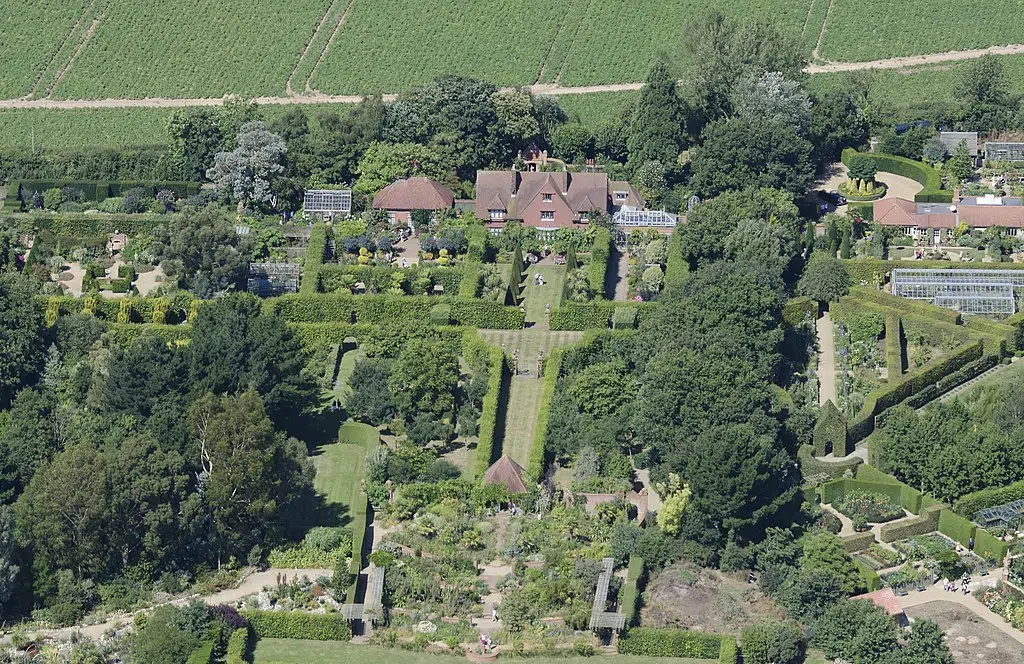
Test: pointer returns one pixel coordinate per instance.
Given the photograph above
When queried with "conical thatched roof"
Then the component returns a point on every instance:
(506, 472)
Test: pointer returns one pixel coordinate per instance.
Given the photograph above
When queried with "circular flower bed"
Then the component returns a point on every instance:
(871, 507)
(855, 196)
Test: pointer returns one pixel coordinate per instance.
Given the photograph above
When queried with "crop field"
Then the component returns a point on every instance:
(191, 48)
(32, 33)
(596, 107)
(867, 30)
(389, 45)
(917, 84)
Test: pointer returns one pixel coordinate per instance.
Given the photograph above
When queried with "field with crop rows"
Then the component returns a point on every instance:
(31, 32)
(389, 45)
(596, 107)
(619, 38)
(915, 85)
(869, 30)
(192, 48)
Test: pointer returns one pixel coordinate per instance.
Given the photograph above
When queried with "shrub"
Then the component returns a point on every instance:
(772, 643)
(654, 642)
(240, 646)
(299, 625)
(441, 314)
(599, 256)
(126, 272)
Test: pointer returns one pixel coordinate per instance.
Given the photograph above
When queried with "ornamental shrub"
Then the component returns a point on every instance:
(830, 431)
(299, 625)
(772, 643)
(656, 642)
(240, 647)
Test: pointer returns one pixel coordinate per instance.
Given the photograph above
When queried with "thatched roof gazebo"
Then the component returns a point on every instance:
(508, 473)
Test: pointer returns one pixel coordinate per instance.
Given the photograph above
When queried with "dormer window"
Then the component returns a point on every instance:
(497, 214)
(621, 195)
(547, 198)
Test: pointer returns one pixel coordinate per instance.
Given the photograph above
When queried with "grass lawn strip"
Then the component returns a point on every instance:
(291, 651)
(537, 297)
(340, 466)
(523, 407)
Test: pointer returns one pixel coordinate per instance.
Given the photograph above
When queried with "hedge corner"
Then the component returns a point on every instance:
(830, 432)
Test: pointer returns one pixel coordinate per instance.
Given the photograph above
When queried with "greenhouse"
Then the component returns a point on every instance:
(633, 217)
(1010, 515)
(986, 292)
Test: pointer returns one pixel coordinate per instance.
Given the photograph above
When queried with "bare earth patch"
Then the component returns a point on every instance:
(706, 600)
(970, 639)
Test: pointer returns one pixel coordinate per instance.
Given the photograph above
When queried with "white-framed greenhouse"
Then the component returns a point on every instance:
(634, 217)
(982, 292)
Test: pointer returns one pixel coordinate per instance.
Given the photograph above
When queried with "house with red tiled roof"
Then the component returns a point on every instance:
(400, 198)
(549, 200)
(930, 222)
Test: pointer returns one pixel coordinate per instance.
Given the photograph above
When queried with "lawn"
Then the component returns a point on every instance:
(340, 466)
(291, 651)
(538, 297)
(341, 390)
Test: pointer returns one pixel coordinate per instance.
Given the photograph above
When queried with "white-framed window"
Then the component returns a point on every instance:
(621, 195)
(1013, 231)
(908, 231)
(497, 214)
(547, 215)
(546, 198)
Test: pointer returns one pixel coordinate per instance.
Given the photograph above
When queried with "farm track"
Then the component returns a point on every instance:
(551, 48)
(327, 47)
(305, 49)
(572, 44)
(60, 48)
(67, 65)
(821, 34)
(537, 89)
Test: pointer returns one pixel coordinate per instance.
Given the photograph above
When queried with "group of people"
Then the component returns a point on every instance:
(538, 279)
(951, 585)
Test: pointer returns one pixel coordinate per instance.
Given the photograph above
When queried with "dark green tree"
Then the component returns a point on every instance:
(202, 250)
(876, 638)
(825, 278)
(926, 644)
(21, 348)
(371, 397)
(837, 122)
(736, 154)
(772, 643)
(35, 432)
(8, 568)
(983, 81)
(423, 380)
(657, 127)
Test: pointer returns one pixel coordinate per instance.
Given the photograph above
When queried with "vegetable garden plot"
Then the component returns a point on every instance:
(192, 48)
(32, 32)
(865, 30)
(390, 45)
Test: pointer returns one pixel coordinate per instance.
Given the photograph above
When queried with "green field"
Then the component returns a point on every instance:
(292, 651)
(867, 30)
(594, 108)
(33, 31)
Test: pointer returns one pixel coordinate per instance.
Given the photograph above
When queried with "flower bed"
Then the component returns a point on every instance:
(1001, 600)
(871, 507)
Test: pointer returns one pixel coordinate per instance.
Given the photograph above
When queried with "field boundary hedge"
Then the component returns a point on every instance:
(538, 452)
(298, 625)
(922, 173)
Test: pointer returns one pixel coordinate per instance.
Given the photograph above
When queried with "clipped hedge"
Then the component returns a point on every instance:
(600, 254)
(858, 541)
(908, 498)
(624, 318)
(203, 654)
(955, 527)
(989, 547)
(830, 432)
(469, 285)
(298, 625)
(391, 309)
(96, 191)
(240, 646)
(677, 268)
(658, 642)
(904, 305)
(729, 653)
(494, 399)
(869, 576)
(581, 316)
(316, 252)
(925, 175)
(379, 279)
(538, 452)
(811, 466)
(893, 348)
(970, 503)
(799, 309)
(636, 575)
(161, 310)
(927, 522)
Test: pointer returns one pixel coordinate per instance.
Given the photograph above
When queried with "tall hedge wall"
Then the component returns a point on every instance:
(316, 252)
(893, 348)
(908, 498)
(378, 279)
(830, 432)
(927, 522)
(495, 398)
(600, 254)
(677, 268)
(970, 503)
(203, 654)
(240, 646)
(298, 625)
(925, 175)
(657, 642)
(858, 541)
(538, 452)
(594, 315)
(905, 306)
(96, 191)
(956, 527)
(380, 309)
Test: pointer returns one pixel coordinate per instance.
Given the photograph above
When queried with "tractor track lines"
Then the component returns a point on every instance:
(60, 47)
(309, 43)
(327, 46)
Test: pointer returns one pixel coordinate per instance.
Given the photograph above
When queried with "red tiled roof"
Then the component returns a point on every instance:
(884, 599)
(414, 194)
(513, 191)
(508, 473)
(980, 216)
(900, 212)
